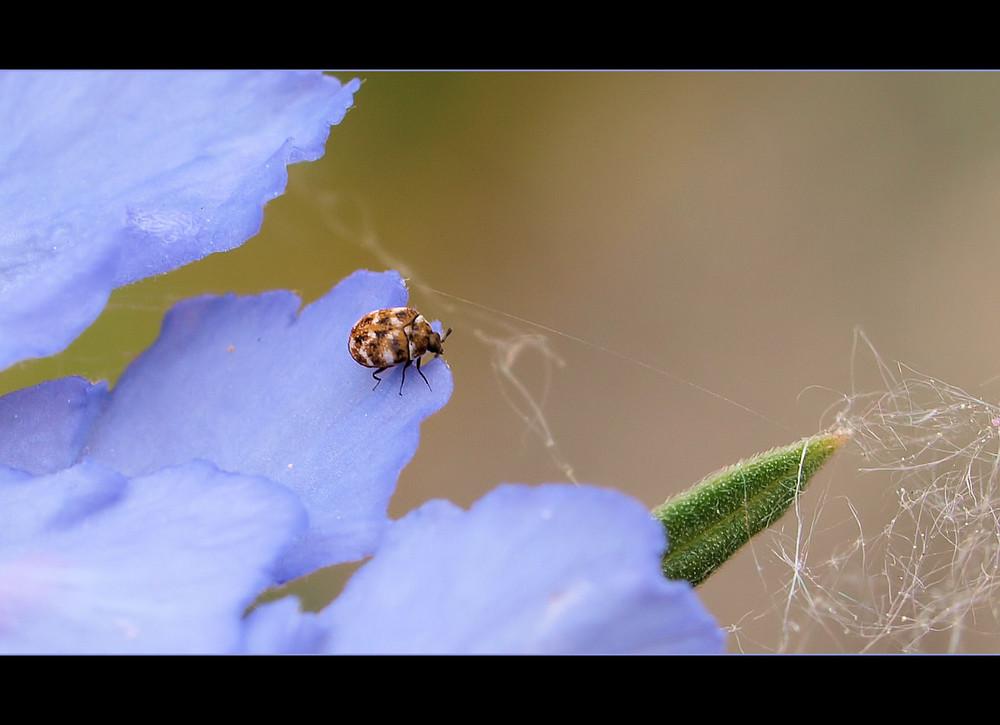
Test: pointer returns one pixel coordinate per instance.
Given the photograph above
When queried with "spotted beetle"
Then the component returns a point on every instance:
(395, 336)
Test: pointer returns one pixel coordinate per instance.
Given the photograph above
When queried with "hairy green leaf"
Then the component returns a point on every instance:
(710, 522)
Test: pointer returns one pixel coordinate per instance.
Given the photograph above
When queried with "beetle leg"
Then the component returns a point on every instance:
(422, 374)
(404, 375)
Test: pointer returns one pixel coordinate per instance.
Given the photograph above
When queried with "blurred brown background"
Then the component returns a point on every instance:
(726, 229)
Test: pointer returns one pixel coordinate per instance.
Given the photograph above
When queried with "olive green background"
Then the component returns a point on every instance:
(705, 243)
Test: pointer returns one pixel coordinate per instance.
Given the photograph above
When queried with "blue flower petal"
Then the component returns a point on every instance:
(548, 569)
(92, 563)
(282, 628)
(111, 177)
(32, 506)
(258, 387)
(45, 426)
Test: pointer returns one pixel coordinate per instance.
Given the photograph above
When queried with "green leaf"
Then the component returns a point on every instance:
(710, 522)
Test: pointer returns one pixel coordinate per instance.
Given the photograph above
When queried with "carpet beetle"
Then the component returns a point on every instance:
(394, 336)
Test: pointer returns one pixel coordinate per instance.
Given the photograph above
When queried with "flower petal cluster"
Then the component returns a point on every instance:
(246, 447)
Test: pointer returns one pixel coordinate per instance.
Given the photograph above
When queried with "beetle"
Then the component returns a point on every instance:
(394, 336)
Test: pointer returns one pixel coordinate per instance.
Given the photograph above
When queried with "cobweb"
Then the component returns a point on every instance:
(928, 580)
